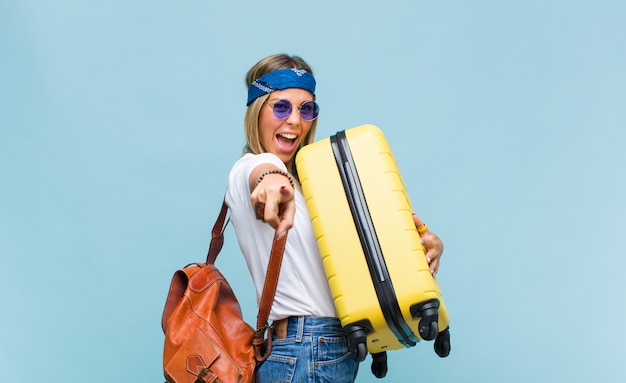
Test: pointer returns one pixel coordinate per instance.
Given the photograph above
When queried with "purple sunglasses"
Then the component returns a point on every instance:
(282, 109)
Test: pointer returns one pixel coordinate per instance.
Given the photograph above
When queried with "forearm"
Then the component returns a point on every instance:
(269, 174)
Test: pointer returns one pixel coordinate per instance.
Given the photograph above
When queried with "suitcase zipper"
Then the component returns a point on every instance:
(369, 241)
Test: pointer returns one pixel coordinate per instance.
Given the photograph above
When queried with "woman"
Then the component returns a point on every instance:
(265, 200)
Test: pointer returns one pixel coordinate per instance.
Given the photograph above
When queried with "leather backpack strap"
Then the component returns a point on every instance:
(217, 235)
(269, 287)
(267, 298)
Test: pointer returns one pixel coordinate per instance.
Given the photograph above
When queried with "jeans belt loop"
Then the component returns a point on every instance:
(300, 332)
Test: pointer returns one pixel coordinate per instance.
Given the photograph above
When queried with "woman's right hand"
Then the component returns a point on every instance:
(273, 200)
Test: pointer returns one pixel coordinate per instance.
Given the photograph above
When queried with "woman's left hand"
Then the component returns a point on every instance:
(432, 243)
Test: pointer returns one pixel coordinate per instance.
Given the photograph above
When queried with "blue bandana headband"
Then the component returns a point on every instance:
(279, 80)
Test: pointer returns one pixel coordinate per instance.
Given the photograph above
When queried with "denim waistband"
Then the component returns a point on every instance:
(299, 325)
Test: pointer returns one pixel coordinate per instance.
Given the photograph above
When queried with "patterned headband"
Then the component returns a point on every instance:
(279, 80)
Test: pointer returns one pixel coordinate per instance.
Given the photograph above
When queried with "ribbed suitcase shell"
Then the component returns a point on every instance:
(352, 281)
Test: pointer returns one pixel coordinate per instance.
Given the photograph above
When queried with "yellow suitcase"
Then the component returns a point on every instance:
(362, 217)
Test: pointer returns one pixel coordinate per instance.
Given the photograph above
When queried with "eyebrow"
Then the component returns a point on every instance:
(283, 98)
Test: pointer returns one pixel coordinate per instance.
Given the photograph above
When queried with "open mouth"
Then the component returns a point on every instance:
(286, 138)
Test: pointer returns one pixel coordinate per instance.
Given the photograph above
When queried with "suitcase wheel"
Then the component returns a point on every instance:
(429, 314)
(379, 364)
(428, 330)
(428, 326)
(357, 342)
(359, 352)
(442, 343)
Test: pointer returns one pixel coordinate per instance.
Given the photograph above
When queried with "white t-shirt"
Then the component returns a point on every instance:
(302, 285)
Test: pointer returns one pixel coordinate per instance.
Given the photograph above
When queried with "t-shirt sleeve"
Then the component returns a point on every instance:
(238, 193)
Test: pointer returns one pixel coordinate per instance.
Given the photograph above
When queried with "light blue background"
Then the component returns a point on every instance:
(120, 121)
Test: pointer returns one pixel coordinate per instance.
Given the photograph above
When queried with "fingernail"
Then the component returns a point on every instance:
(428, 260)
(281, 236)
(432, 271)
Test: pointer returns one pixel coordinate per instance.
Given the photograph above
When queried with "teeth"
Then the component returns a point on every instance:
(289, 136)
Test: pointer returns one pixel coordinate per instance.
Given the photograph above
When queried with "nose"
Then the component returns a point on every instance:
(294, 116)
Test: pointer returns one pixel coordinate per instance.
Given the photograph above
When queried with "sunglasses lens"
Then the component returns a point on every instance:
(282, 109)
(309, 110)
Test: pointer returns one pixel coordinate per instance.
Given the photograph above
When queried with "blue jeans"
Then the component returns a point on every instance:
(315, 350)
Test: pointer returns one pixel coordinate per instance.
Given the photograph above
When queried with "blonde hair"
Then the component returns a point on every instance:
(251, 118)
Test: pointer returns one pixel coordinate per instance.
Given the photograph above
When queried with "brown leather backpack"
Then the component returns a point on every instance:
(206, 338)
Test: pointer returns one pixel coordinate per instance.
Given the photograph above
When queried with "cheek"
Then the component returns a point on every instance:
(306, 128)
(266, 128)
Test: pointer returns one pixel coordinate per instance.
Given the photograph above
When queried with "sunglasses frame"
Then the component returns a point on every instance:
(316, 109)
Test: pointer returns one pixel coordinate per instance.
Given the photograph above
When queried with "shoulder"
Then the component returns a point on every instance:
(250, 161)
(238, 179)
